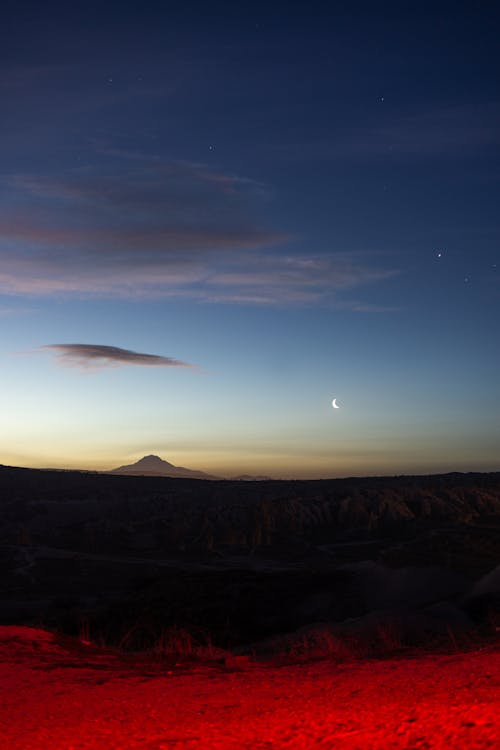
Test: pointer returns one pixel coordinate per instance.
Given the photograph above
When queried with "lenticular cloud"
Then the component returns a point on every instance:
(99, 356)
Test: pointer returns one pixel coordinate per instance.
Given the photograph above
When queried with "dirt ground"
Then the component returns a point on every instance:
(55, 698)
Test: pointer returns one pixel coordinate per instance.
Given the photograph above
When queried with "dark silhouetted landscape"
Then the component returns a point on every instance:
(238, 563)
(232, 601)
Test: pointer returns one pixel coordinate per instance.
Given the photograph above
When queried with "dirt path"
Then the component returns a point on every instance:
(54, 699)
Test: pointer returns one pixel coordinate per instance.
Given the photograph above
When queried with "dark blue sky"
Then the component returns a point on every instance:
(302, 203)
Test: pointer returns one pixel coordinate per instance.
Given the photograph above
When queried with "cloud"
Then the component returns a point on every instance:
(437, 133)
(156, 228)
(276, 280)
(91, 356)
(175, 229)
(8, 311)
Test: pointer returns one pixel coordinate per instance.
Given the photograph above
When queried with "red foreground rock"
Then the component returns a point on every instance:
(54, 698)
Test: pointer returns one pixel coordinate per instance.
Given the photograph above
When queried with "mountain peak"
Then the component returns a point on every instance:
(155, 466)
(152, 460)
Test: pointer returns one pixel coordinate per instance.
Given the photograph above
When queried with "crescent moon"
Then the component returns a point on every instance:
(334, 404)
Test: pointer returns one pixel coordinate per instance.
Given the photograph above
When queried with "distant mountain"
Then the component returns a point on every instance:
(250, 478)
(154, 466)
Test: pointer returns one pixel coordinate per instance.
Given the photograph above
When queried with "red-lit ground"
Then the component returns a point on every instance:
(54, 699)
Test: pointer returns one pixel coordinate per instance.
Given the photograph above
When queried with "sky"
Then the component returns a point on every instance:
(215, 218)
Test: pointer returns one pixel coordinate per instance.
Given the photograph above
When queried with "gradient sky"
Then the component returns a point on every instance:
(215, 219)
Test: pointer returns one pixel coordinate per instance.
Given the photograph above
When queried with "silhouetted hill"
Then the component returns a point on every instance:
(157, 467)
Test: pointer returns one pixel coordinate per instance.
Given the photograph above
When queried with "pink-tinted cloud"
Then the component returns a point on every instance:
(170, 230)
(155, 227)
(92, 356)
(275, 280)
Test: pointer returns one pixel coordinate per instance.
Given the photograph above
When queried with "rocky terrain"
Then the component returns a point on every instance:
(246, 560)
(61, 694)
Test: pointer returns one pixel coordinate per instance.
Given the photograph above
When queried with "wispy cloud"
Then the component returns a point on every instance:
(443, 131)
(157, 228)
(436, 133)
(160, 229)
(92, 356)
(277, 280)
(12, 311)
